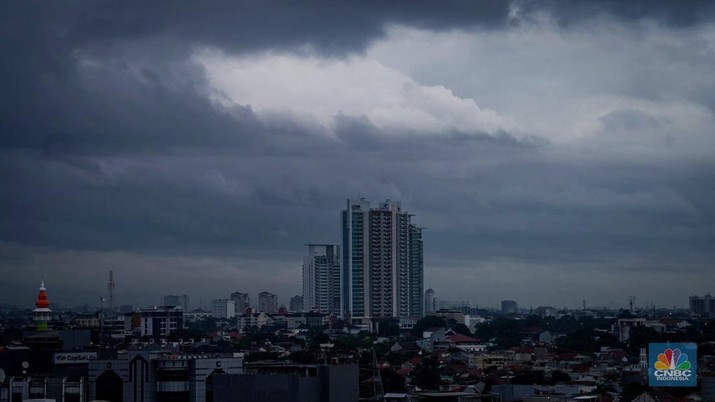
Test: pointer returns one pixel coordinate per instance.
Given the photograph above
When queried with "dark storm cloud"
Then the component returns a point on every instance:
(112, 154)
(669, 12)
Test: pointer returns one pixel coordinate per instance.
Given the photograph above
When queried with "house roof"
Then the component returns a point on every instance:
(459, 338)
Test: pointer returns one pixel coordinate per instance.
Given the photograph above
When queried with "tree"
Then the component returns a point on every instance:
(391, 381)
(426, 374)
(528, 377)
(459, 328)
(505, 331)
(424, 323)
(316, 336)
(558, 376)
(388, 328)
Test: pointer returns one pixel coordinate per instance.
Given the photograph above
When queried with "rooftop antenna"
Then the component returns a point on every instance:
(110, 288)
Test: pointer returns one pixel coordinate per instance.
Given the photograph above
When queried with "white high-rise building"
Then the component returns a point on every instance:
(430, 301)
(383, 265)
(321, 278)
(267, 302)
(223, 308)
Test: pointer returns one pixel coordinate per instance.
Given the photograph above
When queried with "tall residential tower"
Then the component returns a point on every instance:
(382, 262)
(321, 278)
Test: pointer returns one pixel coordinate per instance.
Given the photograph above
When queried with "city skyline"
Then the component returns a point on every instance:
(554, 151)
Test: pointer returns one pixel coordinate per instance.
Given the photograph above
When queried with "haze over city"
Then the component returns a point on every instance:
(554, 151)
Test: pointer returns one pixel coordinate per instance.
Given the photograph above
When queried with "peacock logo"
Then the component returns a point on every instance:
(671, 366)
(672, 359)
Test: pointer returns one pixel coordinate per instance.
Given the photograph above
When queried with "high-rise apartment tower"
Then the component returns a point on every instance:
(321, 278)
(383, 265)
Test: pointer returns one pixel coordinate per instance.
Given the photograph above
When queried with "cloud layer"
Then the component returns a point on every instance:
(548, 147)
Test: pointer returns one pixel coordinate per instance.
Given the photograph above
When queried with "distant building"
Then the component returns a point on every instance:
(703, 306)
(624, 327)
(430, 301)
(172, 300)
(254, 320)
(223, 308)
(296, 304)
(509, 307)
(383, 265)
(154, 321)
(197, 315)
(321, 278)
(268, 302)
(545, 311)
(243, 301)
(86, 320)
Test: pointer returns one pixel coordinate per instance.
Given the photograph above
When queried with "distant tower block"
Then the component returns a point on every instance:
(41, 313)
(584, 304)
(110, 289)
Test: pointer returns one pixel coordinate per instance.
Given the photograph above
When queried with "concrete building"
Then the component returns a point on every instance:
(416, 274)
(268, 302)
(430, 301)
(173, 300)
(277, 382)
(296, 304)
(321, 278)
(223, 308)
(59, 389)
(624, 327)
(150, 376)
(197, 315)
(703, 306)
(86, 320)
(260, 319)
(383, 265)
(509, 307)
(154, 321)
(243, 301)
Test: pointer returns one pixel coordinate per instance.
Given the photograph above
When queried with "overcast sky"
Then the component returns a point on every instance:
(554, 151)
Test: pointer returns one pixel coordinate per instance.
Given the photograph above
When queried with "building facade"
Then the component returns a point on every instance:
(430, 301)
(296, 304)
(154, 321)
(703, 306)
(383, 264)
(151, 377)
(268, 302)
(223, 308)
(509, 307)
(277, 382)
(321, 278)
(242, 300)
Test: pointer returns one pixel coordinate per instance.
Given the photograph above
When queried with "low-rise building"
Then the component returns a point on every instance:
(154, 321)
(279, 382)
(149, 376)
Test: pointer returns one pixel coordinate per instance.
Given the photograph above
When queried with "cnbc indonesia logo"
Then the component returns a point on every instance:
(672, 366)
